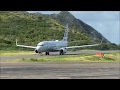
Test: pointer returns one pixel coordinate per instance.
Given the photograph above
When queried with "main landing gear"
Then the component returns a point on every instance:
(61, 52)
(46, 53)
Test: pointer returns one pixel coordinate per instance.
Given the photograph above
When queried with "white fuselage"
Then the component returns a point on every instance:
(51, 46)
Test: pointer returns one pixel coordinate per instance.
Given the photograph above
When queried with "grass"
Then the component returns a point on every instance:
(15, 52)
(113, 57)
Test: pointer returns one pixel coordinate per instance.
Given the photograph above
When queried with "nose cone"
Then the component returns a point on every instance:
(37, 50)
(38, 47)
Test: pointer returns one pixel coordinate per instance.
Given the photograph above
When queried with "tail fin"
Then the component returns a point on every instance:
(66, 33)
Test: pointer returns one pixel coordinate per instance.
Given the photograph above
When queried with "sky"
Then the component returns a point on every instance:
(105, 22)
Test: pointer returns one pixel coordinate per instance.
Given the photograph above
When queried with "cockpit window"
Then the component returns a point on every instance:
(40, 45)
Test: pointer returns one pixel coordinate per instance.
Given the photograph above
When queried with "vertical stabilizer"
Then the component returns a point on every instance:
(66, 33)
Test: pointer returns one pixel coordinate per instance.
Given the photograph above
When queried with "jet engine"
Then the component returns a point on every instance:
(62, 51)
(36, 50)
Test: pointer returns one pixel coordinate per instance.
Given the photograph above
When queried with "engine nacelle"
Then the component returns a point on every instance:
(36, 51)
(64, 50)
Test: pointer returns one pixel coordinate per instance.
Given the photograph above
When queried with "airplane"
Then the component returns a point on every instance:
(60, 46)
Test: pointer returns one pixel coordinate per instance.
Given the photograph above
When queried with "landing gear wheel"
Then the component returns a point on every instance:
(46, 53)
(61, 52)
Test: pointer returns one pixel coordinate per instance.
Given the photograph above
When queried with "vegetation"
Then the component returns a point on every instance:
(31, 29)
(113, 57)
(15, 52)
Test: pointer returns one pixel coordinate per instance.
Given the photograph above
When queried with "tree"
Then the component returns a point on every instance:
(104, 47)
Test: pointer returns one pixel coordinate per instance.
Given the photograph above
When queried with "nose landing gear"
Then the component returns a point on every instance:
(36, 51)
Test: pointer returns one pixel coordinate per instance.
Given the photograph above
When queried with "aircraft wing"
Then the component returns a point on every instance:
(25, 45)
(82, 46)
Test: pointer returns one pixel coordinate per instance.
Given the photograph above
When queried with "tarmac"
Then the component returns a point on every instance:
(59, 70)
(55, 70)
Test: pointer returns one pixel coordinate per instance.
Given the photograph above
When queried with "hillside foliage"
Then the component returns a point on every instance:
(30, 29)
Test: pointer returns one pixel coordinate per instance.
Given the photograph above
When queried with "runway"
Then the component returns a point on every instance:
(49, 70)
(4, 58)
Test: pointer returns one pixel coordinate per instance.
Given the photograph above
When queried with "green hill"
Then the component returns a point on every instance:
(32, 28)
(81, 27)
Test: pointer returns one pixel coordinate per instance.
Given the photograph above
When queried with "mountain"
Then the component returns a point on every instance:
(66, 17)
(32, 28)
